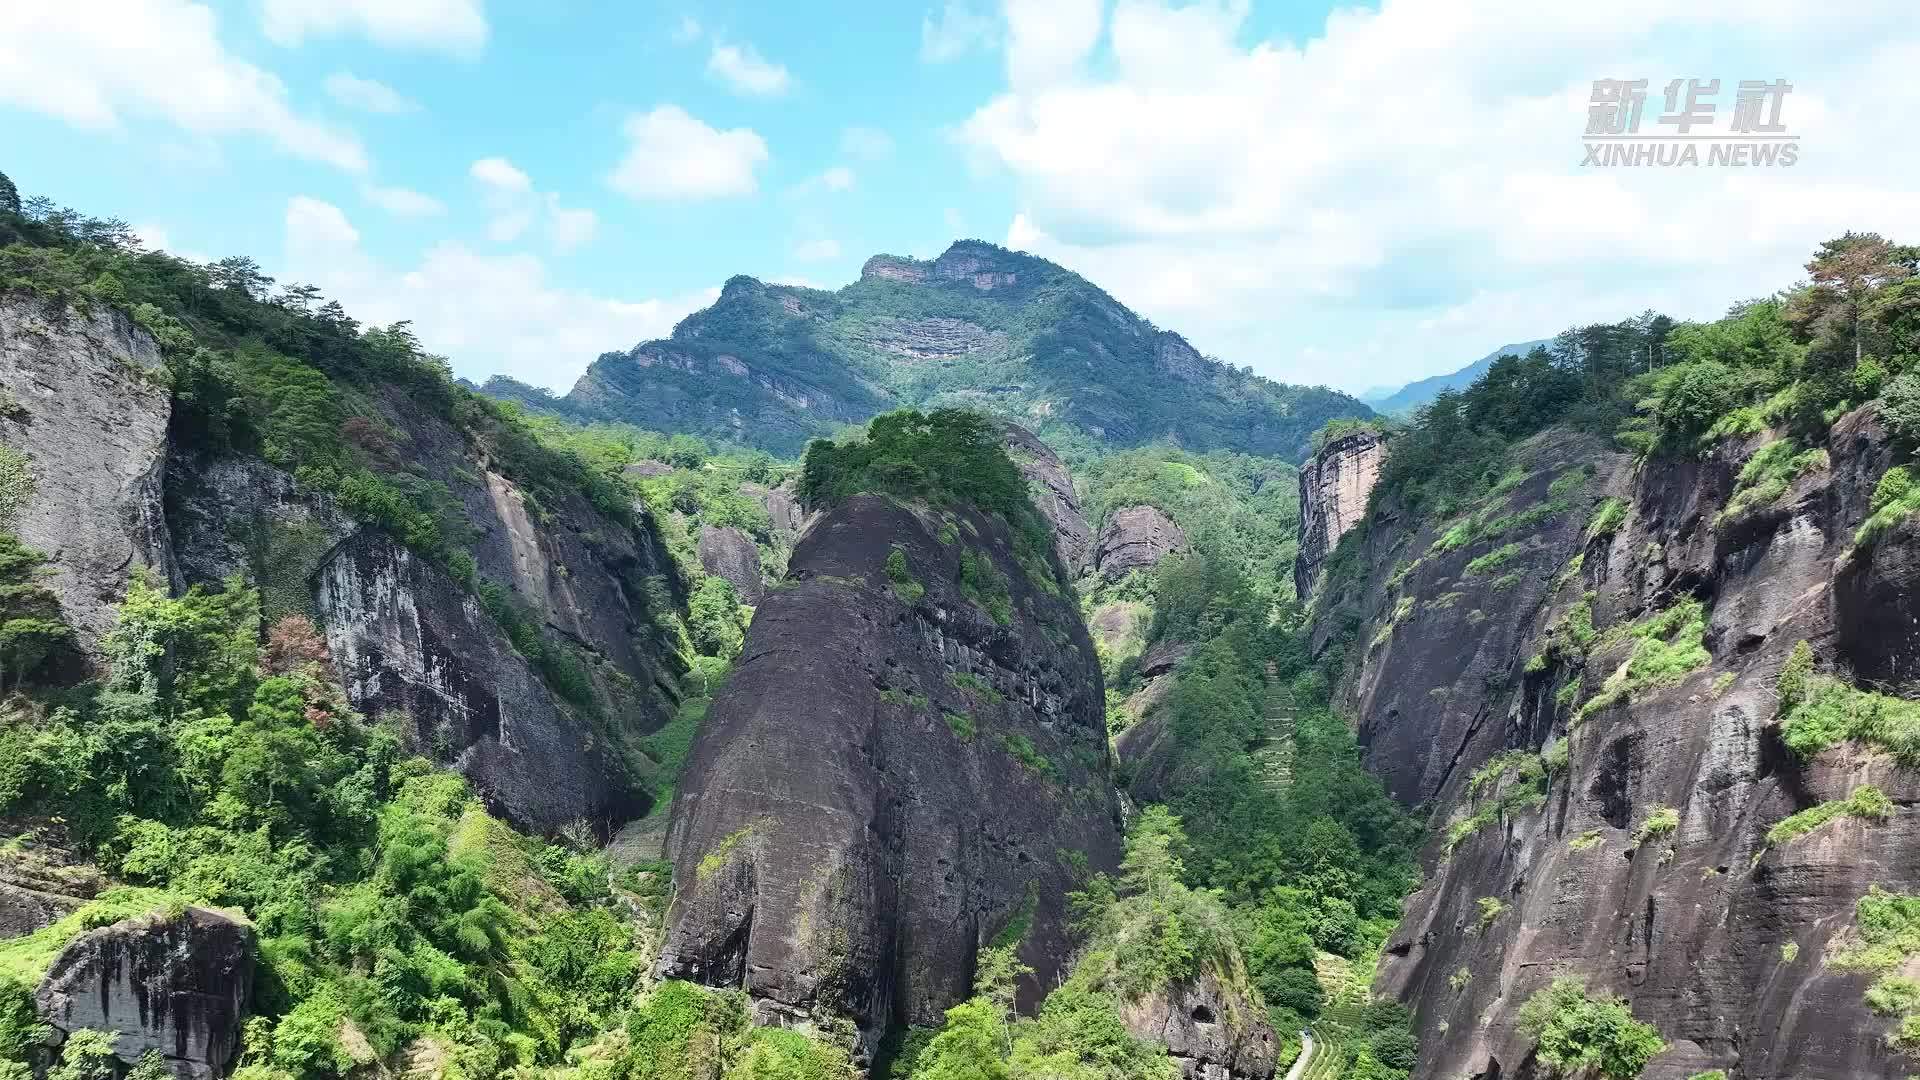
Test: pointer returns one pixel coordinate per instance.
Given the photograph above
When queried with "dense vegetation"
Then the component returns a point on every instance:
(210, 767)
(1790, 363)
(1046, 349)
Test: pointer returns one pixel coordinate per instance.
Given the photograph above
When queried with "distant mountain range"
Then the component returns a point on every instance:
(772, 366)
(1415, 394)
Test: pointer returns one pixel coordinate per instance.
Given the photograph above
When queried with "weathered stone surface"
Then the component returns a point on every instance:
(1692, 928)
(855, 821)
(726, 552)
(405, 637)
(1213, 1031)
(1052, 490)
(783, 509)
(86, 401)
(935, 337)
(178, 984)
(1136, 538)
(1334, 486)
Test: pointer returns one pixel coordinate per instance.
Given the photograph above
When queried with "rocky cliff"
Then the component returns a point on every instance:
(83, 444)
(894, 776)
(536, 693)
(177, 983)
(1334, 486)
(1136, 538)
(1581, 675)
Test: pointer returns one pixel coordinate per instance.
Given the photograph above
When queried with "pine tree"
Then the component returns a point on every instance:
(9, 196)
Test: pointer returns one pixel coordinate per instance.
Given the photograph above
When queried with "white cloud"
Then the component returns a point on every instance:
(490, 314)
(818, 249)
(672, 155)
(688, 31)
(1047, 39)
(367, 94)
(403, 202)
(747, 72)
(454, 26)
(509, 196)
(957, 30)
(98, 63)
(569, 230)
(866, 143)
(501, 175)
(838, 178)
(152, 237)
(1402, 193)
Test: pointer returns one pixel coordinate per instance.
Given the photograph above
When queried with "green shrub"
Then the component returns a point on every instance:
(1576, 1032)
(1494, 560)
(1661, 822)
(1868, 803)
(961, 725)
(1607, 518)
(1767, 475)
(905, 585)
(1824, 711)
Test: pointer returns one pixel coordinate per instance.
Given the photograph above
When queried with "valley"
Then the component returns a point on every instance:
(949, 676)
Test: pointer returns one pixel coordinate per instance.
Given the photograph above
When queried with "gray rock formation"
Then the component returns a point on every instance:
(406, 638)
(42, 880)
(1714, 935)
(86, 402)
(889, 779)
(176, 983)
(726, 552)
(1334, 487)
(1211, 1030)
(1136, 538)
(783, 509)
(1053, 495)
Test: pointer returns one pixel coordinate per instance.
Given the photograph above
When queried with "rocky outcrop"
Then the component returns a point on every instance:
(936, 337)
(547, 742)
(1334, 487)
(42, 879)
(1210, 1029)
(891, 778)
(407, 639)
(1052, 490)
(1136, 538)
(84, 407)
(1713, 934)
(726, 552)
(783, 510)
(173, 982)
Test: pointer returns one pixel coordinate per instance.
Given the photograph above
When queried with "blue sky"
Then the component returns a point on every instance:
(1356, 196)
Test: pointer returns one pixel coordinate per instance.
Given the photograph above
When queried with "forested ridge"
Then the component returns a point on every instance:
(207, 751)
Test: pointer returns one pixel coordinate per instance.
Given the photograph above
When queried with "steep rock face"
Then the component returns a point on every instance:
(175, 983)
(1136, 538)
(1212, 1031)
(405, 637)
(1711, 933)
(86, 407)
(726, 552)
(42, 880)
(1052, 490)
(783, 509)
(1334, 486)
(889, 779)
